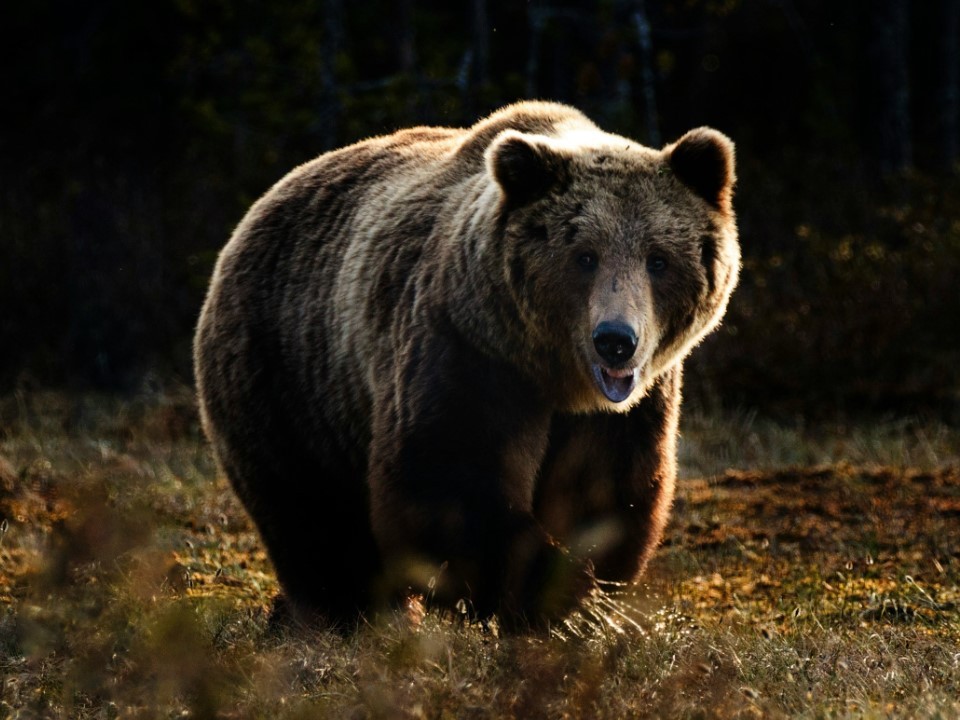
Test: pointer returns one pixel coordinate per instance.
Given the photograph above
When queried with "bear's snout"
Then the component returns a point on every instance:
(615, 342)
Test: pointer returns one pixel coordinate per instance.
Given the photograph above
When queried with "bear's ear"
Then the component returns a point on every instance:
(703, 161)
(525, 166)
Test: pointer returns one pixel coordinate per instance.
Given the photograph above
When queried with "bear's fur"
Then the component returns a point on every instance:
(398, 370)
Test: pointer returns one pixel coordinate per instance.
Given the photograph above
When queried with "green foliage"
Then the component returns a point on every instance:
(856, 314)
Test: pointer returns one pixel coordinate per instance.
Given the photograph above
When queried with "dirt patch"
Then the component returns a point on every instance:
(870, 544)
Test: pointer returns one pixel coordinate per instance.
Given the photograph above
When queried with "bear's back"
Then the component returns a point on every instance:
(312, 276)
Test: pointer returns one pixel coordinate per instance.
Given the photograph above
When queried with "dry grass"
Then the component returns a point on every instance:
(806, 573)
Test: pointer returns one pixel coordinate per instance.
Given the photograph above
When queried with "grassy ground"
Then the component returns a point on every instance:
(809, 572)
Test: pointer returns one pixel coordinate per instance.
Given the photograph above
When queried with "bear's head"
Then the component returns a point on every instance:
(618, 258)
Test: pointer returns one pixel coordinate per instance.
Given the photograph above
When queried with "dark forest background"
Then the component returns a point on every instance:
(134, 135)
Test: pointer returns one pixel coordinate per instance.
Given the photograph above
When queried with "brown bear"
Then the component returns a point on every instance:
(449, 360)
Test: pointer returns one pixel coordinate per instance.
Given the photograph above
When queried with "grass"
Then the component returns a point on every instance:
(807, 572)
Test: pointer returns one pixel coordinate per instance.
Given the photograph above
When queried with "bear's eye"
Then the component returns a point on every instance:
(656, 264)
(587, 260)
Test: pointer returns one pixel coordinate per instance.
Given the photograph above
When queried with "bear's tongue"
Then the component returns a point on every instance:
(616, 385)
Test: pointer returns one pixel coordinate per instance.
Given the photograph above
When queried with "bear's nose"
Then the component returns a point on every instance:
(615, 342)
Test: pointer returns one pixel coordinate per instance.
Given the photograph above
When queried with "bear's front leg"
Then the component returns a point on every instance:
(607, 481)
(456, 444)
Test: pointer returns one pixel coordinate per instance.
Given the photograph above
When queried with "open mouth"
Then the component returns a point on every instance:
(616, 385)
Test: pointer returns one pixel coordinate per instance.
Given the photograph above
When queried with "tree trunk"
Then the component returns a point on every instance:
(329, 115)
(474, 73)
(948, 100)
(407, 39)
(481, 42)
(890, 69)
(642, 22)
(537, 17)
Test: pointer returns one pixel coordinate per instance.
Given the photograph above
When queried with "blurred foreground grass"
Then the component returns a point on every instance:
(807, 571)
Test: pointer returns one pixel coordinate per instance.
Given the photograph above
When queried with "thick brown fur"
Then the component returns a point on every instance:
(397, 369)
